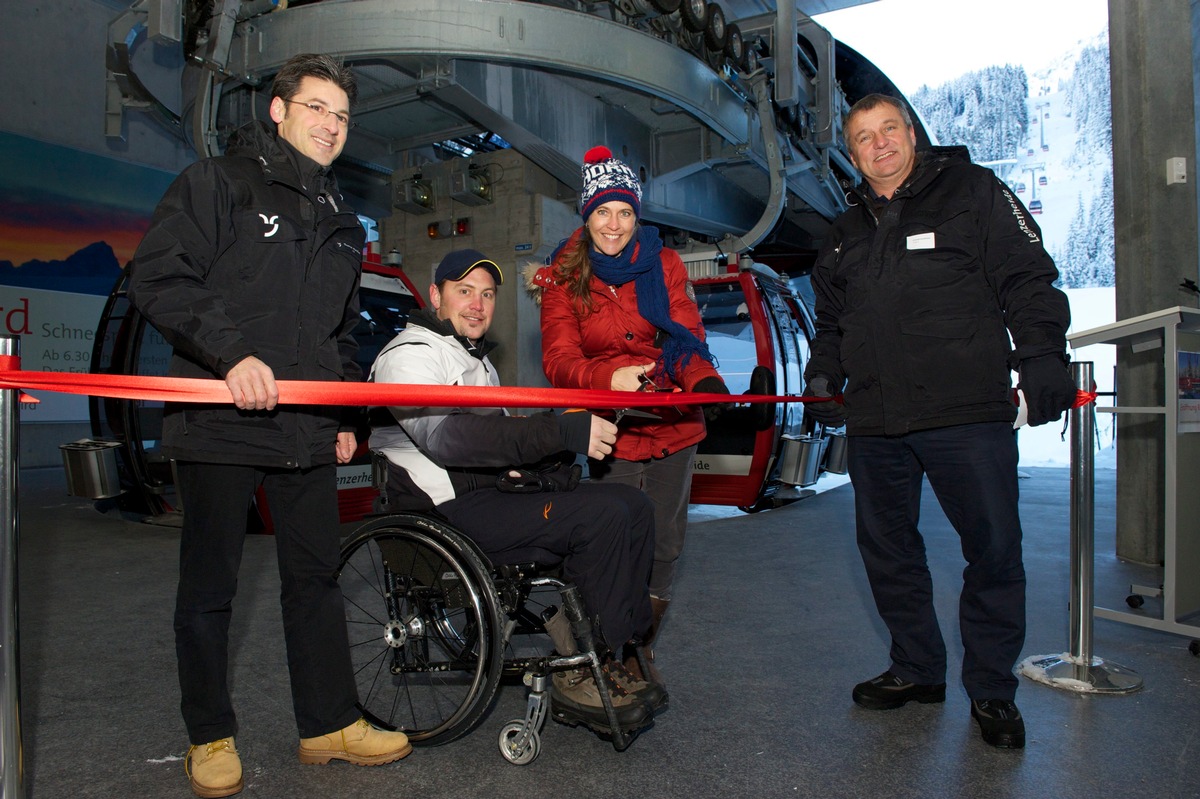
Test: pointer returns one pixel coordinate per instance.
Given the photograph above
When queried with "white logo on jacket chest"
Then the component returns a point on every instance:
(273, 221)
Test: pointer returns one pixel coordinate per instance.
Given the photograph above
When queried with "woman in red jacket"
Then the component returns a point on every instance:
(619, 313)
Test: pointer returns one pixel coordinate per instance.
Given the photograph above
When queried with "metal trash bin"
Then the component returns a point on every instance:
(800, 463)
(835, 453)
(91, 468)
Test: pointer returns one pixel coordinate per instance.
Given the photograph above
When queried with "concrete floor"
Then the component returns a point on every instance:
(771, 627)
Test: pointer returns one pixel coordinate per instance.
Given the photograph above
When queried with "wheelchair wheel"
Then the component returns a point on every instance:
(516, 751)
(423, 621)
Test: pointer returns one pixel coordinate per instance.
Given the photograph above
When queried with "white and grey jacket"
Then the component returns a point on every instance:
(450, 450)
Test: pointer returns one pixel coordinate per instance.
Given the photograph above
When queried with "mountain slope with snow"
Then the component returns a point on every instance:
(1060, 164)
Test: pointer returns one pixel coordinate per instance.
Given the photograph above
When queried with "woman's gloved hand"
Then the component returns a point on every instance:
(713, 385)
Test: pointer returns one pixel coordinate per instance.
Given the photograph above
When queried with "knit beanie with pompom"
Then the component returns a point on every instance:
(605, 179)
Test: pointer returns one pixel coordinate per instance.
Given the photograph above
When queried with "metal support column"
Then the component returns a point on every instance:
(12, 765)
(1079, 670)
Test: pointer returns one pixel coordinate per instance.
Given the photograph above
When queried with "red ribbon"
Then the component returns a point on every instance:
(1084, 398)
(323, 392)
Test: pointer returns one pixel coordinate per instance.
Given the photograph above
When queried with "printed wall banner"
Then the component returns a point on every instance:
(57, 330)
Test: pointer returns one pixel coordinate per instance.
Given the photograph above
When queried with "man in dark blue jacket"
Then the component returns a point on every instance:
(250, 270)
(919, 287)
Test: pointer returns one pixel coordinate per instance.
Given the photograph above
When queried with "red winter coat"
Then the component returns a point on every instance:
(582, 349)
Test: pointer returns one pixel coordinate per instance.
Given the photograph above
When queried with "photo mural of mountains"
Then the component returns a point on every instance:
(91, 270)
(1048, 135)
(68, 219)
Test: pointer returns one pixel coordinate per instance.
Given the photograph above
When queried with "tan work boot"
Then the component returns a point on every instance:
(360, 744)
(214, 768)
(575, 699)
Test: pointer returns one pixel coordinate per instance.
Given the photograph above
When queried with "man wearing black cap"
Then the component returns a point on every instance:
(494, 477)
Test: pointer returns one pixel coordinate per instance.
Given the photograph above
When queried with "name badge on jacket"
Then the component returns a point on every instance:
(921, 241)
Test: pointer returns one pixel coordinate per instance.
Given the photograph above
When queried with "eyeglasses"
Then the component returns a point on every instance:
(322, 112)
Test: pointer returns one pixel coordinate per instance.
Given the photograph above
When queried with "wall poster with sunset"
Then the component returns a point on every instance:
(69, 221)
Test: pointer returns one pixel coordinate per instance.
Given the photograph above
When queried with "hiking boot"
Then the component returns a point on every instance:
(887, 691)
(658, 609)
(633, 664)
(654, 695)
(360, 744)
(214, 768)
(575, 699)
(1000, 722)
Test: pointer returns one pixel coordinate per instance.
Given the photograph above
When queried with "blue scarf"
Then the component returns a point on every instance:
(654, 305)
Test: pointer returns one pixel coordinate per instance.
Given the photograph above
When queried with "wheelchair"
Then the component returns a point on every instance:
(434, 628)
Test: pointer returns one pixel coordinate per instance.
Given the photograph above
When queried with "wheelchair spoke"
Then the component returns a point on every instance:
(422, 617)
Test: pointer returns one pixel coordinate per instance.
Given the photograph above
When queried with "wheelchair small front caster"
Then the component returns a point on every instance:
(519, 746)
(1135, 601)
(1194, 648)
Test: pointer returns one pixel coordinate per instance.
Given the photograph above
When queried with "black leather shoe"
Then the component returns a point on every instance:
(887, 692)
(1000, 722)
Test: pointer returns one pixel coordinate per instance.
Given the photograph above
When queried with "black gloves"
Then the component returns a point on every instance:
(713, 385)
(831, 413)
(1048, 387)
(554, 473)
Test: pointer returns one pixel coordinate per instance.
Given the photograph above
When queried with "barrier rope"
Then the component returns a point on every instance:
(323, 392)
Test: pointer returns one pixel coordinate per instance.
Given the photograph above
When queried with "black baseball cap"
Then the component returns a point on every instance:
(457, 264)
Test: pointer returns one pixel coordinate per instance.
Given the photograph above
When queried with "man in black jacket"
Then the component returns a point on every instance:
(918, 288)
(250, 270)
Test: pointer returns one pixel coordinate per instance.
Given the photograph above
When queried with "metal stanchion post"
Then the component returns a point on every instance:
(1079, 670)
(12, 765)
